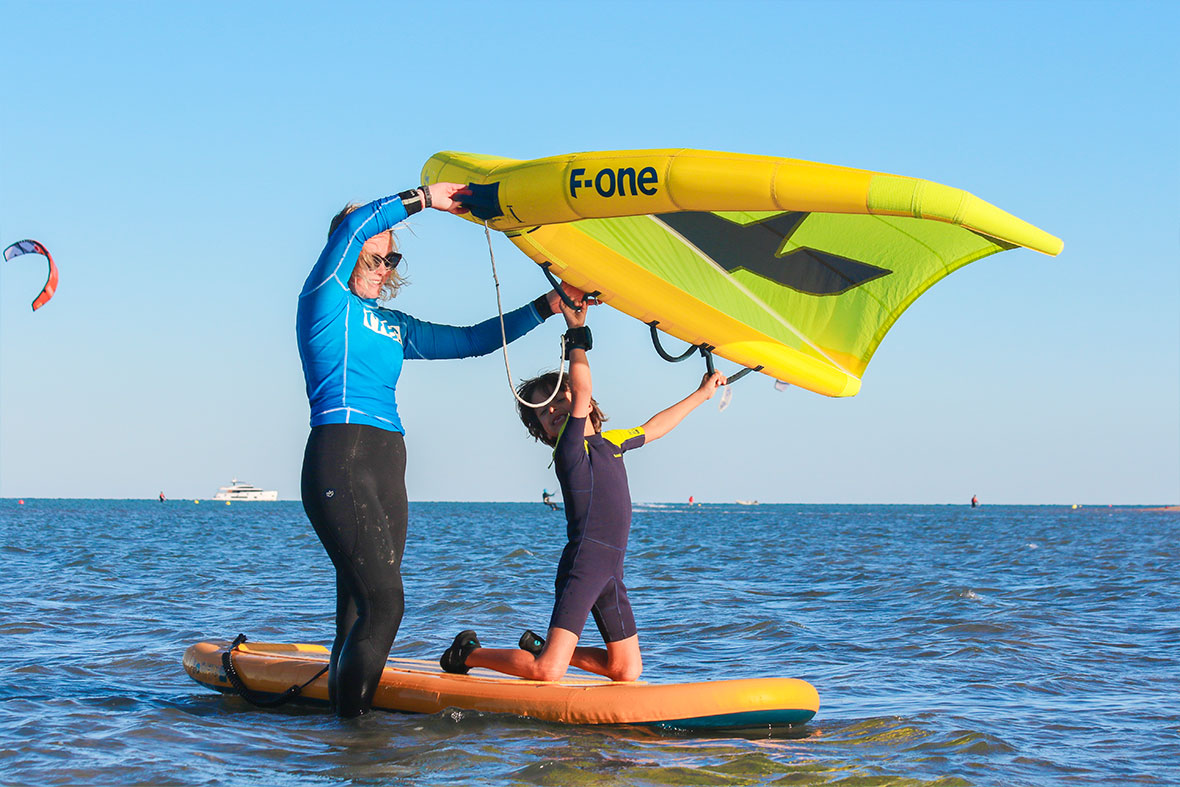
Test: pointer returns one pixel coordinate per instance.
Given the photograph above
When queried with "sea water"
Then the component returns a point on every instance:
(949, 646)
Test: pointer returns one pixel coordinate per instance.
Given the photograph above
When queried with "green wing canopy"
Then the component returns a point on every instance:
(831, 282)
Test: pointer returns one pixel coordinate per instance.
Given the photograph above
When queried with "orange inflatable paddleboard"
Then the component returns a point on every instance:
(418, 686)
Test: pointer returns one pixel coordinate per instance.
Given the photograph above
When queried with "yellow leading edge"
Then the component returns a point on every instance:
(793, 268)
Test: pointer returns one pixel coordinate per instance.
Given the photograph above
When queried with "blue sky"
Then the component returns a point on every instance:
(182, 160)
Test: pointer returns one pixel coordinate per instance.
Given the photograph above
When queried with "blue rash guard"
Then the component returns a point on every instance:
(352, 348)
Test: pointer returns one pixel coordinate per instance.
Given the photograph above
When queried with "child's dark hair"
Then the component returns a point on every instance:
(539, 389)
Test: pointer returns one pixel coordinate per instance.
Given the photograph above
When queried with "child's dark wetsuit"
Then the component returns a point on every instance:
(598, 521)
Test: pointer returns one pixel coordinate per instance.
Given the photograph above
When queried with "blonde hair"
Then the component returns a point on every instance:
(395, 280)
(538, 389)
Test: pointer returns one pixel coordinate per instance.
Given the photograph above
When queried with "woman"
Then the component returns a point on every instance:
(353, 484)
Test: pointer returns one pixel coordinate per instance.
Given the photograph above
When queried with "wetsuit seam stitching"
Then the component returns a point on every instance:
(618, 612)
(351, 410)
(344, 366)
(602, 543)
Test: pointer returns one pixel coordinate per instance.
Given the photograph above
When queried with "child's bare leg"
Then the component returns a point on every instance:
(619, 661)
(551, 664)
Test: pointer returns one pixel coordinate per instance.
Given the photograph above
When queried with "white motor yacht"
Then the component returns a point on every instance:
(239, 490)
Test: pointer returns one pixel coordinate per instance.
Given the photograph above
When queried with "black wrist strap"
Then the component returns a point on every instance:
(412, 201)
(541, 304)
(426, 201)
(578, 339)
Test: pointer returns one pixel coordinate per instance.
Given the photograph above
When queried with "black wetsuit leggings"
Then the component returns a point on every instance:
(354, 493)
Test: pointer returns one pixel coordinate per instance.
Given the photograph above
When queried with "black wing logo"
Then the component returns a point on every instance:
(756, 248)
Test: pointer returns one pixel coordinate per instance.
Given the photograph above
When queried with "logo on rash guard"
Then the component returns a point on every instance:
(378, 325)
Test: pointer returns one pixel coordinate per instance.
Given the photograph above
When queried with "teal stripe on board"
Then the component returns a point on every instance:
(738, 721)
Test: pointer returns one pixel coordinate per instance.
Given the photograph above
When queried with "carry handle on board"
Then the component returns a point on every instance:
(258, 699)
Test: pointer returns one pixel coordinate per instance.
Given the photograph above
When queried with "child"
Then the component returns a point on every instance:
(593, 481)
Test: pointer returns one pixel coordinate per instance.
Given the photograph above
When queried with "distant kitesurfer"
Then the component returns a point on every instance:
(547, 499)
(162, 498)
(593, 481)
(974, 501)
(353, 484)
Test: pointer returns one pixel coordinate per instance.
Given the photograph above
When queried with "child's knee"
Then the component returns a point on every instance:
(631, 673)
(551, 674)
(628, 671)
(549, 670)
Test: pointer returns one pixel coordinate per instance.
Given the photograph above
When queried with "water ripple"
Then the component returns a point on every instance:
(1015, 646)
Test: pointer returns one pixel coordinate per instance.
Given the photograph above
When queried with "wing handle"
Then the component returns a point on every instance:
(655, 340)
(706, 351)
(557, 286)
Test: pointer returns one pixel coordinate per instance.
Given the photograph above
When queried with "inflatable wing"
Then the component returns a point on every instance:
(33, 247)
(791, 268)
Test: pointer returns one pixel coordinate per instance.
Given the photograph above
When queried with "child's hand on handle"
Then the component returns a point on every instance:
(710, 383)
(557, 305)
(574, 319)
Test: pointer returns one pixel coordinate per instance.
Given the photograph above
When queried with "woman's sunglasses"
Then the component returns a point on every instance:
(390, 260)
